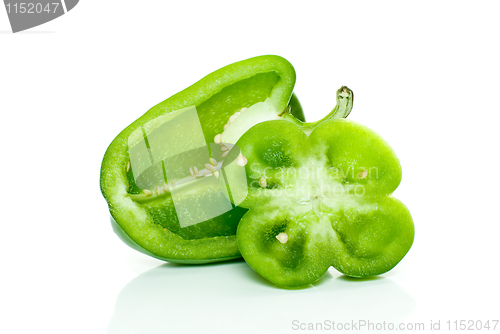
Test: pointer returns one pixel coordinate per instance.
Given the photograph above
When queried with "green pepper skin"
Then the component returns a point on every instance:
(321, 200)
(150, 226)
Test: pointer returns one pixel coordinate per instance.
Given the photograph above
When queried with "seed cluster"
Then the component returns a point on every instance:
(158, 190)
(193, 171)
(232, 118)
(224, 149)
(240, 160)
(212, 167)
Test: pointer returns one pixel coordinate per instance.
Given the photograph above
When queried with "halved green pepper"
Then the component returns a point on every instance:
(319, 195)
(143, 213)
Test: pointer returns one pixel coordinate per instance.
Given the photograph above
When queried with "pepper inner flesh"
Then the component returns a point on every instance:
(213, 114)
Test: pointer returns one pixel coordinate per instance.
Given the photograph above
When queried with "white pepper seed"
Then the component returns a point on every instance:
(218, 138)
(241, 160)
(282, 237)
(263, 182)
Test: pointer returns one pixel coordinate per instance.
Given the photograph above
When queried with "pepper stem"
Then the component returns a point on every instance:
(342, 109)
(345, 98)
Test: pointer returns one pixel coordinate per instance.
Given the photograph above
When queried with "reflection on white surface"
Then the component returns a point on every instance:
(232, 298)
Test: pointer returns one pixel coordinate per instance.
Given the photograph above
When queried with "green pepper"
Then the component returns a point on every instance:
(319, 195)
(139, 190)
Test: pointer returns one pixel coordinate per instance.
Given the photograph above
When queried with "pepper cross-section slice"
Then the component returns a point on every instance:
(321, 200)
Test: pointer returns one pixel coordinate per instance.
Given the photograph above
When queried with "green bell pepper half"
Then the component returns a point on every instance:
(146, 219)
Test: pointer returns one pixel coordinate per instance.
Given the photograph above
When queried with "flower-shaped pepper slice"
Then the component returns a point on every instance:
(321, 200)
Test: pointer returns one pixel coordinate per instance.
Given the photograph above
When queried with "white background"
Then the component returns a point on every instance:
(425, 75)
